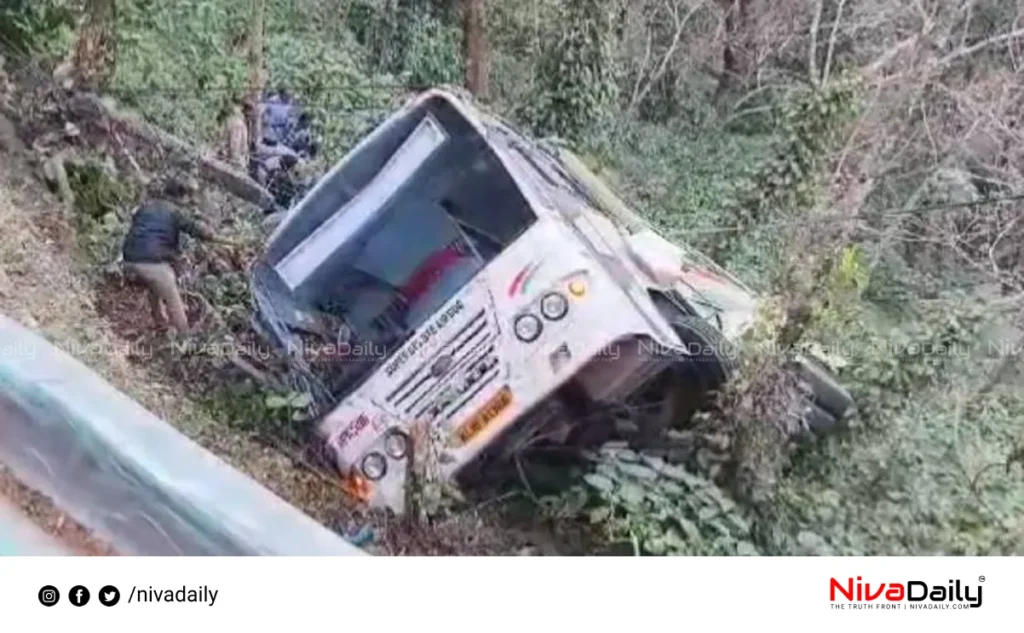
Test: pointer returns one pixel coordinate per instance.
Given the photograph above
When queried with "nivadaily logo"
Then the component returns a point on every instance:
(913, 594)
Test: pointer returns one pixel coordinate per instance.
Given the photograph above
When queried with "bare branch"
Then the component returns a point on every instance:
(928, 132)
(812, 54)
(999, 238)
(680, 26)
(648, 49)
(832, 41)
(970, 50)
(967, 23)
(892, 53)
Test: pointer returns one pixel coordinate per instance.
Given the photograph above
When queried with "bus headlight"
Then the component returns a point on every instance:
(554, 306)
(374, 466)
(527, 328)
(396, 444)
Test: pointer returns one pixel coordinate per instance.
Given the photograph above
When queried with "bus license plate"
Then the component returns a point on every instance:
(484, 416)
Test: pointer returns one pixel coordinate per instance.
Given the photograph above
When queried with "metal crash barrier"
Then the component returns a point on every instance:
(125, 474)
(21, 537)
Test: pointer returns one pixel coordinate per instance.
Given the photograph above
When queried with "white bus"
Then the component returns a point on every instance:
(467, 277)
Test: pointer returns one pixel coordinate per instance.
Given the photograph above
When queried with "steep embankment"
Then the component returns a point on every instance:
(47, 287)
(48, 284)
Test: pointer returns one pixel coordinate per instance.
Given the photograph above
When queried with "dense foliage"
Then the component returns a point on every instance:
(804, 143)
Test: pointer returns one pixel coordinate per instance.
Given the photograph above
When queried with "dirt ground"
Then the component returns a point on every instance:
(42, 512)
(47, 287)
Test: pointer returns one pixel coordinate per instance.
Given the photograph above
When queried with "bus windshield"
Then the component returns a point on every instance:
(454, 215)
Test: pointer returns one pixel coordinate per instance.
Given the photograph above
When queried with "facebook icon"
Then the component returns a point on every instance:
(78, 595)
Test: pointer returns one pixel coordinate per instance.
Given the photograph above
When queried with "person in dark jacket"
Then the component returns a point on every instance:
(284, 183)
(153, 243)
(301, 139)
(266, 160)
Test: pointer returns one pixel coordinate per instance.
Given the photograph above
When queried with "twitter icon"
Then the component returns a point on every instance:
(109, 596)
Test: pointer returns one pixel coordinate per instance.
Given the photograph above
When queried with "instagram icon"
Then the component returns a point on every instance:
(49, 596)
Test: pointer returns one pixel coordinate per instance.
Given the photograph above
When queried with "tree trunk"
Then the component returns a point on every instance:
(475, 48)
(257, 76)
(735, 62)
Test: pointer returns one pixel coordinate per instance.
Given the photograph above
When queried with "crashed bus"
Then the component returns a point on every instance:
(467, 278)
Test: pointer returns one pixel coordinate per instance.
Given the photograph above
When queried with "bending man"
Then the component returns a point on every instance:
(153, 244)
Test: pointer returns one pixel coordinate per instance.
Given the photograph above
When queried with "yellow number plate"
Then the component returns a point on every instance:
(484, 416)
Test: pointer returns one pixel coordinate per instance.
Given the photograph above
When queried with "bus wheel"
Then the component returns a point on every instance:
(824, 388)
(827, 404)
(708, 364)
(709, 353)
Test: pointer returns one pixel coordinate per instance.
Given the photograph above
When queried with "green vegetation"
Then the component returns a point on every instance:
(824, 166)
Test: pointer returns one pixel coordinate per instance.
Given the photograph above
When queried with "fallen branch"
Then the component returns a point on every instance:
(56, 174)
(128, 155)
(264, 379)
(91, 108)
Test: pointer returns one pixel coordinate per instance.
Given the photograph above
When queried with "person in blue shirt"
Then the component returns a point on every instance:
(278, 114)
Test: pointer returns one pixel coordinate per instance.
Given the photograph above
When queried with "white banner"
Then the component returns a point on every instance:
(476, 594)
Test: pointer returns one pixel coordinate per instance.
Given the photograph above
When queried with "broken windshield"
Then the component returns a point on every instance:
(403, 272)
(435, 231)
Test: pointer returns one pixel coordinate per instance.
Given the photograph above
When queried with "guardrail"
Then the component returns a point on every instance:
(20, 537)
(124, 473)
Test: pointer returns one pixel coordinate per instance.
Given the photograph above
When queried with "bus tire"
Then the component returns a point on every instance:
(817, 422)
(694, 376)
(698, 335)
(825, 390)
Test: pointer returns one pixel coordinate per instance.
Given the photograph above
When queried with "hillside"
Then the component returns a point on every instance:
(48, 288)
(95, 318)
(857, 162)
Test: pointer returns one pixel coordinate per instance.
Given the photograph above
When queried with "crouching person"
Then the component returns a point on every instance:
(153, 244)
